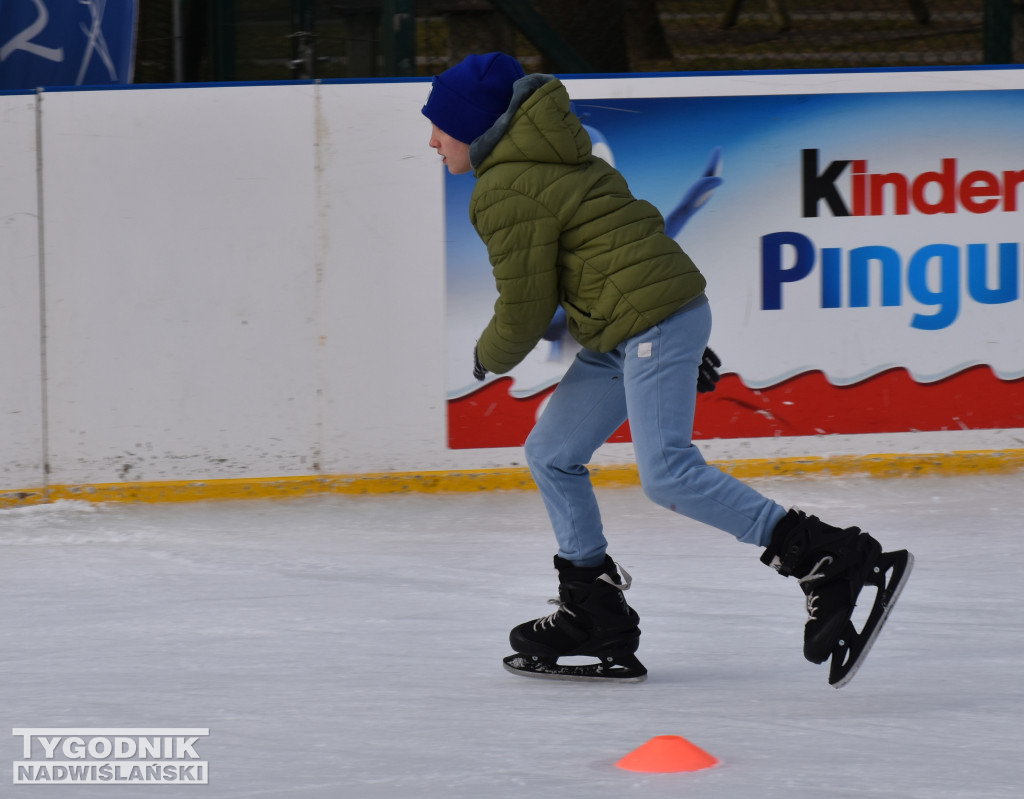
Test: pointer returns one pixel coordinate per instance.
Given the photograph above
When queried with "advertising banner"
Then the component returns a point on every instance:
(66, 42)
(862, 251)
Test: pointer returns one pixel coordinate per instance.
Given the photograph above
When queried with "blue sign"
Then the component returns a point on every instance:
(66, 42)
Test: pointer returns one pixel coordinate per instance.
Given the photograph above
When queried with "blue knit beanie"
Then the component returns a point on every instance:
(468, 98)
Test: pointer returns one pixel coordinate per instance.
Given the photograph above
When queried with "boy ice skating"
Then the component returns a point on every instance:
(562, 229)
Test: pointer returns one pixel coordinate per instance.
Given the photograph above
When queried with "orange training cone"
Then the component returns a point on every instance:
(667, 753)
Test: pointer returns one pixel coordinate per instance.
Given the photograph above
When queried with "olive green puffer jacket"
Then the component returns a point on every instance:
(561, 227)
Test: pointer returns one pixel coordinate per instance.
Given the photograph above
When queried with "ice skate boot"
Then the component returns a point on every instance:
(832, 565)
(593, 620)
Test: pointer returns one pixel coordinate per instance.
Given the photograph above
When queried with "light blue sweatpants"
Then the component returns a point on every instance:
(651, 379)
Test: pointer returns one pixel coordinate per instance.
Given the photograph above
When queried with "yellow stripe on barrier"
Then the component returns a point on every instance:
(507, 479)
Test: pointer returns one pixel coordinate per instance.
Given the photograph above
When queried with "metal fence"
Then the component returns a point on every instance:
(203, 40)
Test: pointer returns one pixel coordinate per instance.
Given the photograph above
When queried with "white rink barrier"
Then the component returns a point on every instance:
(245, 285)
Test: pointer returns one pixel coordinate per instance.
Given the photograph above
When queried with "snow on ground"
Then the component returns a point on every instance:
(351, 647)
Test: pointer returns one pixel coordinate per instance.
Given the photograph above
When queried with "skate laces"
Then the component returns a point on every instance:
(627, 581)
(540, 624)
(814, 574)
(552, 618)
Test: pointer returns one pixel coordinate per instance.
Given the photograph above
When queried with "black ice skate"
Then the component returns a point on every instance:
(593, 620)
(832, 566)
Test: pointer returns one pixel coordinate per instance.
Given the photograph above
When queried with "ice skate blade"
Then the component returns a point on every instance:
(854, 647)
(617, 669)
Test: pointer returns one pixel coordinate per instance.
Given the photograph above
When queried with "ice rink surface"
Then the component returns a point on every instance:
(351, 647)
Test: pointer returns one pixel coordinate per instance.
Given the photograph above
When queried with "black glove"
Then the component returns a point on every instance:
(478, 370)
(707, 372)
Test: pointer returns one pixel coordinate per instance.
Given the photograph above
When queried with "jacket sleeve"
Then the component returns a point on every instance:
(522, 239)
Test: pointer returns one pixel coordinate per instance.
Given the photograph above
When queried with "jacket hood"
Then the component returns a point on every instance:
(539, 126)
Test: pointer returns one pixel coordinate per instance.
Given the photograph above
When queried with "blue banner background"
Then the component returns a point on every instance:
(66, 42)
